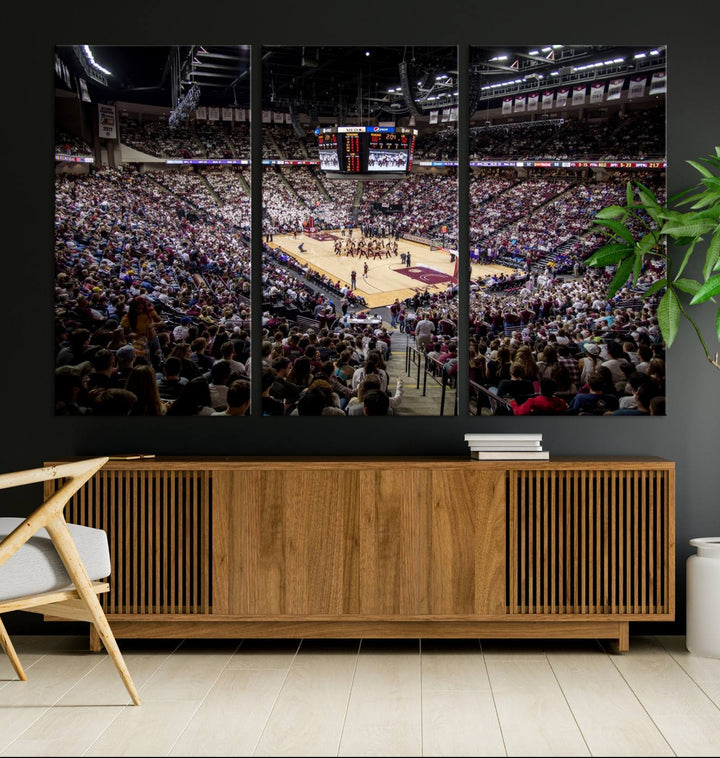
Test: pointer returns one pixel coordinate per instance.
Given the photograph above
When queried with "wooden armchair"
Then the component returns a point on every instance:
(49, 566)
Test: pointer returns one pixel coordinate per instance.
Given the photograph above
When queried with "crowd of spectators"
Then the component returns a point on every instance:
(559, 345)
(634, 134)
(71, 144)
(155, 137)
(214, 138)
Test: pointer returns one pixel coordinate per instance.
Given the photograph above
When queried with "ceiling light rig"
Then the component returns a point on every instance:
(90, 66)
(185, 107)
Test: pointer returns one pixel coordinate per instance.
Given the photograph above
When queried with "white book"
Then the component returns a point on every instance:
(542, 455)
(509, 446)
(503, 437)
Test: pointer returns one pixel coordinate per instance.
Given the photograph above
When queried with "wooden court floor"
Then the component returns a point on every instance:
(385, 279)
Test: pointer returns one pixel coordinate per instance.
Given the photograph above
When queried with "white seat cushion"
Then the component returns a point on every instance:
(36, 567)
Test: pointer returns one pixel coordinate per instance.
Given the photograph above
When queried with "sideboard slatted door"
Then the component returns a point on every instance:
(595, 541)
(159, 524)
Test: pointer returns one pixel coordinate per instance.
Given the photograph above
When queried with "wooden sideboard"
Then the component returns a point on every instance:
(384, 547)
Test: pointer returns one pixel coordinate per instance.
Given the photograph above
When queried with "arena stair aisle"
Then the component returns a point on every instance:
(414, 403)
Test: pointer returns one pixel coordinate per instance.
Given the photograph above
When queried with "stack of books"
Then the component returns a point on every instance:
(506, 447)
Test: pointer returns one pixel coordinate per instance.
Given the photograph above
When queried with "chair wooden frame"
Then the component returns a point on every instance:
(79, 602)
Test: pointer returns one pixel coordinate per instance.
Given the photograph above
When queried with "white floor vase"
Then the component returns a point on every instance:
(703, 598)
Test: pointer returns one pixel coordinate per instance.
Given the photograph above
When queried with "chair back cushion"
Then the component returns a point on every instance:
(36, 567)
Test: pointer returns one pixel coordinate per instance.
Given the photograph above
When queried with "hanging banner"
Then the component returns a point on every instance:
(201, 113)
(637, 86)
(445, 115)
(547, 100)
(454, 114)
(84, 94)
(507, 105)
(520, 101)
(614, 89)
(434, 117)
(579, 92)
(227, 114)
(239, 114)
(532, 101)
(107, 121)
(267, 117)
(213, 114)
(658, 83)
(411, 122)
(278, 118)
(596, 92)
(561, 97)
(288, 118)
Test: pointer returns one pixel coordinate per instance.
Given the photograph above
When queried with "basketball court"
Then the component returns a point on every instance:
(387, 277)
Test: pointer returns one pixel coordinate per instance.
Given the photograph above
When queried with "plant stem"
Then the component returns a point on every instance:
(714, 361)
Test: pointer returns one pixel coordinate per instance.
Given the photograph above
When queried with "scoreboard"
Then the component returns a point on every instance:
(351, 158)
(361, 149)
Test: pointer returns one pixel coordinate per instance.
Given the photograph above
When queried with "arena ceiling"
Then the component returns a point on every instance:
(342, 81)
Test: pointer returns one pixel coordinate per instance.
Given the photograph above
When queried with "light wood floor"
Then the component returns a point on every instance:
(358, 698)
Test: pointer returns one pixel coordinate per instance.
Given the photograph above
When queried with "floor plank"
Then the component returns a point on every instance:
(148, 730)
(458, 710)
(232, 717)
(91, 704)
(534, 717)
(609, 715)
(309, 714)
(384, 712)
(265, 654)
(705, 672)
(460, 723)
(171, 697)
(64, 731)
(50, 677)
(686, 716)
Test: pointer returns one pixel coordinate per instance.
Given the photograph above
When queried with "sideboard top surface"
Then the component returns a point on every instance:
(380, 462)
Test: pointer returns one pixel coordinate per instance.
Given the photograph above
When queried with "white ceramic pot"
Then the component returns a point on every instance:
(703, 598)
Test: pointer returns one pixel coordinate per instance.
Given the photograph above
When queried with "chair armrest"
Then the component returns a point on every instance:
(44, 474)
(77, 474)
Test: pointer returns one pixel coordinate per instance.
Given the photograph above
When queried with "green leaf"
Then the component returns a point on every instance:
(687, 228)
(619, 230)
(612, 211)
(688, 253)
(629, 194)
(699, 167)
(649, 202)
(654, 287)
(609, 255)
(621, 275)
(713, 255)
(637, 268)
(708, 290)
(712, 182)
(647, 243)
(687, 285)
(669, 316)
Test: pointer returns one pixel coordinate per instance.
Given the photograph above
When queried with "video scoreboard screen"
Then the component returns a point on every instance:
(361, 149)
(328, 152)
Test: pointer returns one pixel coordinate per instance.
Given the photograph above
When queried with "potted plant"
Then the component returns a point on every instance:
(639, 232)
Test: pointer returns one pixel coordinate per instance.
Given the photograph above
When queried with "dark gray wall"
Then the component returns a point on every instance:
(689, 435)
